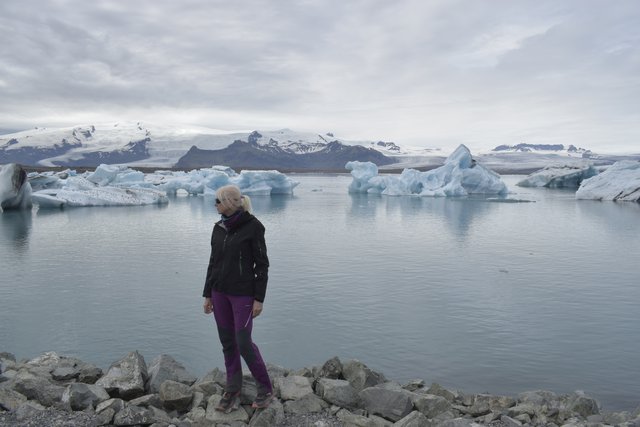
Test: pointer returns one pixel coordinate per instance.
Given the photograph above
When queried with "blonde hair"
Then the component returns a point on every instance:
(231, 198)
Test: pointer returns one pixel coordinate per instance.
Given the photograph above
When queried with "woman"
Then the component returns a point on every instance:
(234, 290)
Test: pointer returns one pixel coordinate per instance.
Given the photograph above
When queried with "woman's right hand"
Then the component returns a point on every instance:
(207, 306)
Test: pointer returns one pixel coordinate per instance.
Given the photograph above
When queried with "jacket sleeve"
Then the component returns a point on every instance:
(261, 263)
(208, 282)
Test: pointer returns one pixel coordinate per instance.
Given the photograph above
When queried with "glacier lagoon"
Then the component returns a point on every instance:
(472, 293)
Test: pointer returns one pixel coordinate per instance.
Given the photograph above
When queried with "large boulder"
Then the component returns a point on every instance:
(390, 404)
(134, 415)
(10, 400)
(175, 395)
(360, 376)
(292, 387)
(165, 367)
(39, 389)
(15, 190)
(126, 378)
(414, 419)
(337, 392)
(307, 404)
(271, 416)
(332, 368)
(84, 396)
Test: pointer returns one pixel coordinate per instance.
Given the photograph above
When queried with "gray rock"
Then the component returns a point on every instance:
(126, 378)
(337, 392)
(208, 388)
(159, 416)
(357, 420)
(537, 397)
(429, 404)
(198, 401)
(133, 415)
(39, 389)
(165, 367)
(147, 400)
(360, 376)
(309, 372)
(116, 405)
(175, 395)
(583, 404)
(83, 396)
(414, 385)
(523, 408)
(28, 410)
(458, 422)
(219, 417)
(392, 405)
(10, 400)
(414, 419)
(64, 373)
(267, 417)
(276, 371)
(88, 373)
(332, 369)
(105, 417)
(197, 416)
(215, 375)
(438, 390)
(292, 387)
(307, 404)
(510, 422)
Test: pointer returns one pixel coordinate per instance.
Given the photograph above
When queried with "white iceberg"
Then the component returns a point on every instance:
(566, 176)
(459, 176)
(114, 185)
(79, 191)
(620, 182)
(15, 190)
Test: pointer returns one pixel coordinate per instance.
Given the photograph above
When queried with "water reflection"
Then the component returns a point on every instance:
(16, 228)
(458, 213)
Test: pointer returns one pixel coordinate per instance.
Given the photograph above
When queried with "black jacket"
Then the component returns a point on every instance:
(238, 264)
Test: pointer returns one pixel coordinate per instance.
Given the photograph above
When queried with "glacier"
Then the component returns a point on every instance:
(118, 185)
(15, 190)
(561, 176)
(459, 176)
(619, 182)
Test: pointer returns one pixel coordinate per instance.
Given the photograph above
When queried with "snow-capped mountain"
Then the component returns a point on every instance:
(139, 144)
(544, 148)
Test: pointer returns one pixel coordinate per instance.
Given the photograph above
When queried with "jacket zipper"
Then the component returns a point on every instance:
(240, 262)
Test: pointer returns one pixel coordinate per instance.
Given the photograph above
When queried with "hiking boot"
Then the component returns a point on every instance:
(262, 400)
(230, 401)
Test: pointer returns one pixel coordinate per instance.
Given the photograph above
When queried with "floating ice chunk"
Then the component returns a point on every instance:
(620, 182)
(567, 176)
(99, 196)
(15, 190)
(116, 175)
(459, 176)
(264, 182)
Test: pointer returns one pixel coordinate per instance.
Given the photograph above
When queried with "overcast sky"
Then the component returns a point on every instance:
(432, 73)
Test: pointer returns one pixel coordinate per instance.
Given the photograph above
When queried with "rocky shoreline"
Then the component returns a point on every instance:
(53, 390)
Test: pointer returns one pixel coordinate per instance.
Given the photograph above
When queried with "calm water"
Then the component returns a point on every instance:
(476, 295)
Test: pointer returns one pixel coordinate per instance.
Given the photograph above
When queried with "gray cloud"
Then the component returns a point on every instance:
(430, 73)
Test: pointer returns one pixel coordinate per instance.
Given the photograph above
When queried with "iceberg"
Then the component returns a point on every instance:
(15, 190)
(79, 191)
(117, 185)
(459, 176)
(566, 176)
(619, 182)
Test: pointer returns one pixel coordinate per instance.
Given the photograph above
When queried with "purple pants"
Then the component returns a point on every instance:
(233, 314)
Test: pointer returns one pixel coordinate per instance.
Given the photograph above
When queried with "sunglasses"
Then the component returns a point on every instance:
(218, 201)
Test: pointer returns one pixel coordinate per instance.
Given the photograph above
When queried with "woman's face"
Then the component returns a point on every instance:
(224, 210)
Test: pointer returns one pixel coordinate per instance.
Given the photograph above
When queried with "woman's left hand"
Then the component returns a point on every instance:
(257, 308)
